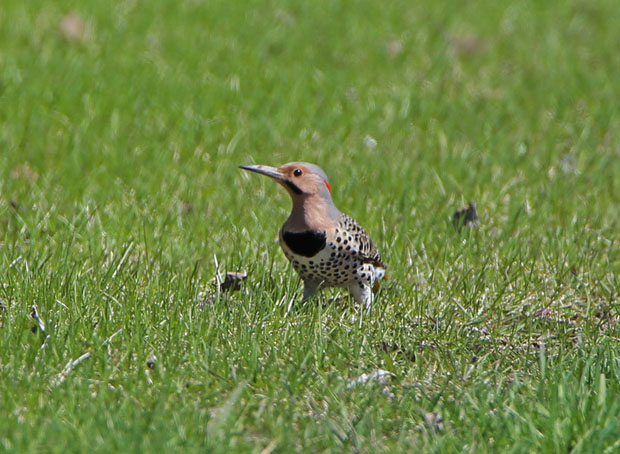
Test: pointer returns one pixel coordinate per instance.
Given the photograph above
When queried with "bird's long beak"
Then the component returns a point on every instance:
(265, 170)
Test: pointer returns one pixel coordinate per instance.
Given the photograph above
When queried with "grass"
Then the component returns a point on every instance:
(120, 200)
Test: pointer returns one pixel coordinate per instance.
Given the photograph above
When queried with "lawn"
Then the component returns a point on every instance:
(122, 126)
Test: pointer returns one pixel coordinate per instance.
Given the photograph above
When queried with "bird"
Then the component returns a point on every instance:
(326, 247)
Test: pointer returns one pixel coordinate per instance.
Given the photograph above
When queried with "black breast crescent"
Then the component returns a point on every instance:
(307, 243)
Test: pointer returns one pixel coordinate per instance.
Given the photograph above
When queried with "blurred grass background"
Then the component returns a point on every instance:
(121, 128)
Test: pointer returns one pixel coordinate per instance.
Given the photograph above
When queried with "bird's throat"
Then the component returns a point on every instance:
(312, 213)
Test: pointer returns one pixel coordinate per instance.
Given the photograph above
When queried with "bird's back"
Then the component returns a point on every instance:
(358, 242)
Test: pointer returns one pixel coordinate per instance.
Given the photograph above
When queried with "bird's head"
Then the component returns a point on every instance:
(300, 179)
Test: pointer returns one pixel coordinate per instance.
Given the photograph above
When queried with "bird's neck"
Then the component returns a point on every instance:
(311, 212)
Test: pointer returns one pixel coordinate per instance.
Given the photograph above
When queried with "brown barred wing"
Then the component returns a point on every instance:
(361, 244)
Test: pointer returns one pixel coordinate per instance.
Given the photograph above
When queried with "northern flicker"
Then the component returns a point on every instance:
(326, 247)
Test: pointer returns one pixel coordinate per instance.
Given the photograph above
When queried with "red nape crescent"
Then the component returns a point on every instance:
(329, 188)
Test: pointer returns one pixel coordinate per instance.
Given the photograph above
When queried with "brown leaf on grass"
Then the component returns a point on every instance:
(186, 207)
(24, 172)
(466, 217)
(434, 421)
(233, 281)
(468, 45)
(73, 27)
(544, 313)
(606, 315)
(394, 48)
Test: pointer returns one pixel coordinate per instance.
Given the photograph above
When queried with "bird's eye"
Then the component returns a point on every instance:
(297, 172)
